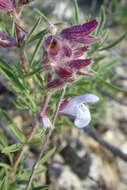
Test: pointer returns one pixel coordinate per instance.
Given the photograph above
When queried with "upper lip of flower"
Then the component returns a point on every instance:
(77, 109)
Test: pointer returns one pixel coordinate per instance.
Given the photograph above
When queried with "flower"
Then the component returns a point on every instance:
(65, 53)
(44, 121)
(6, 5)
(7, 41)
(12, 5)
(77, 108)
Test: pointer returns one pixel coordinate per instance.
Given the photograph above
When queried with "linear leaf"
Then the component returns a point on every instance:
(38, 70)
(102, 22)
(6, 166)
(3, 139)
(13, 127)
(7, 71)
(114, 43)
(37, 23)
(11, 148)
(76, 12)
(37, 36)
(47, 156)
(44, 187)
(4, 185)
(37, 48)
(111, 86)
(41, 15)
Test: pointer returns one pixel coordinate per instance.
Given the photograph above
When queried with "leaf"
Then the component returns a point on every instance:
(114, 43)
(13, 127)
(44, 187)
(104, 38)
(37, 36)
(3, 139)
(12, 148)
(102, 22)
(47, 156)
(4, 185)
(6, 166)
(37, 23)
(111, 86)
(38, 70)
(38, 46)
(7, 71)
(108, 66)
(76, 12)
(42, 15)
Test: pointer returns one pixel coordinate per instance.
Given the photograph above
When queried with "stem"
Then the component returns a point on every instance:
(45, 103)
(21, 153)
(58, 106)
(24, 63)
(46, 140)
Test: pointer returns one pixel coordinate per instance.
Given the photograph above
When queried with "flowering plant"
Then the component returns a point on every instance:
(69, 65)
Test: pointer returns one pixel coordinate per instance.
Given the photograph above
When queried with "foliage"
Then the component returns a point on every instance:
(28, 95)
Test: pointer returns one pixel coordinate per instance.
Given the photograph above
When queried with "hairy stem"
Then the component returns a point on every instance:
(45, 141)
(24, 63)
(24, 148)
(21, 153)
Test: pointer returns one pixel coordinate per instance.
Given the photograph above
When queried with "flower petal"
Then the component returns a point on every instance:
(78, 52)
(56, 83)
(83, 116)
(87, 40)
(64, 72)
(45, 121)
(53, 46)
(86, 98)
(79, 63)
(6, 5)
(84, 28)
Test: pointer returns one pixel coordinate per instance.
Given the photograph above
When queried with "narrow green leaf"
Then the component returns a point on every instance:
(76, 12)
(44, 187)
(102, 22)
(38, 70)
(37, 48)
(4, 184)
(8, 72)
(42, 15)
(114, 43)
(37, 23)
(111, 86)
(104, 38)
(47, 156)
(3, 165)
(3, 139)
(13, 127)
(5, 65)
(12, 148)
(108, 66)
(37, 36)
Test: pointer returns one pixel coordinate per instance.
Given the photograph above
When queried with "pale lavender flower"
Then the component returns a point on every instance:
(77, 108)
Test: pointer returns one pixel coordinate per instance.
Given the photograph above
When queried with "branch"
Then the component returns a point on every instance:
(46, 140)
(114, 150)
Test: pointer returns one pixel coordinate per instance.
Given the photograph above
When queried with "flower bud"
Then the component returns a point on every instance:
(6, 41)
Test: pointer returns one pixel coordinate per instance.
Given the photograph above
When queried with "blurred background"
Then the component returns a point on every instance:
(81, 162)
